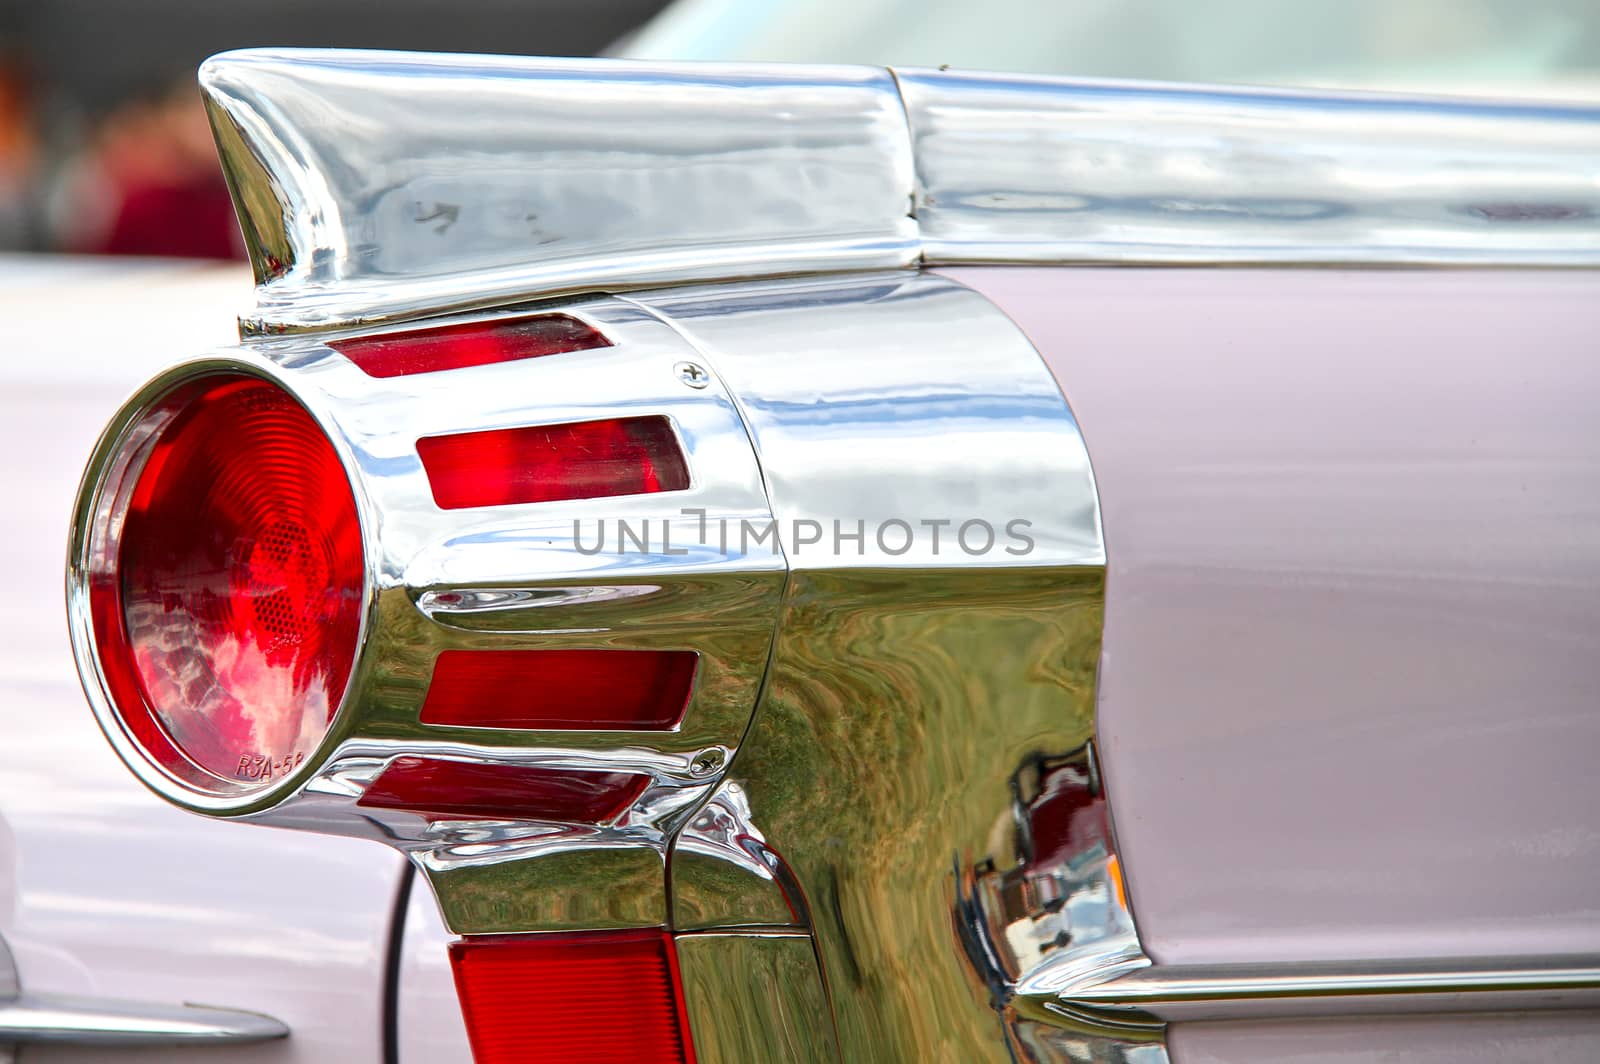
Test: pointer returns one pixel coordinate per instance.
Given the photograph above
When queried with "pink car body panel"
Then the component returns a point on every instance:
(1347, 698)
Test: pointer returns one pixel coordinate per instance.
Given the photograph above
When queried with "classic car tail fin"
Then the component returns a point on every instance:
(382, 183)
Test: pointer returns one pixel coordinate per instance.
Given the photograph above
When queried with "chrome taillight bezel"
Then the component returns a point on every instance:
(429, 571)
(93, 542)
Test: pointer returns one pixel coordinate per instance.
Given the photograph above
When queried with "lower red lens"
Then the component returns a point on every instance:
(230, 623)
(444, 788)
(604, 997)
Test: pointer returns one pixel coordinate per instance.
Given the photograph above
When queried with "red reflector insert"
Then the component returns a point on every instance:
(646, 690)
(547, 463)
(604, 997)
(478, 343)
(503, 792)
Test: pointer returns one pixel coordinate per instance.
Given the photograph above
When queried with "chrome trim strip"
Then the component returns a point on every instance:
(60, 1020)
(1219, 991)
(10, 980)
(1041, 170)
(374, 186)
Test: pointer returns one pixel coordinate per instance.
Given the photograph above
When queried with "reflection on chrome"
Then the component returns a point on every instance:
(1061, 908)
(725, 866)
(443, 606)
(1057, 915)
(721, 828)
(915, 701)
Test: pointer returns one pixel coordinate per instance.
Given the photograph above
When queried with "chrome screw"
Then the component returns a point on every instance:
(706, 763)
(693, 375)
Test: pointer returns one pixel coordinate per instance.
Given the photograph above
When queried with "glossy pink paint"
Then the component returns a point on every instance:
(1348, 698)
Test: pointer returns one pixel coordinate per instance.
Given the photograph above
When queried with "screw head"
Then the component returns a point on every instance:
(707, 763)
(692, 374)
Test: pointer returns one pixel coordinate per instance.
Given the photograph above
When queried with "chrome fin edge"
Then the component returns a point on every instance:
(365, 197)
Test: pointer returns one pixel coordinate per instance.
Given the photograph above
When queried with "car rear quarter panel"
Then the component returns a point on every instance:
(1347, 699)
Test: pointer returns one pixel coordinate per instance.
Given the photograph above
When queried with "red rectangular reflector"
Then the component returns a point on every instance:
(478, 343)
(599, 690)
(603, 997)
(468, 789)
(547, 463)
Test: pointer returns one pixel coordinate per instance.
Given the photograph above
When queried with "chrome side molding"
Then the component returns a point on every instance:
(58, 1019)
(374, 186)
(1042, 170)
(37, 1019)
(1209, 992)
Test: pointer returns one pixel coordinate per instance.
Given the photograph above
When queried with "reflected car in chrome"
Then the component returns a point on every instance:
(798, 571)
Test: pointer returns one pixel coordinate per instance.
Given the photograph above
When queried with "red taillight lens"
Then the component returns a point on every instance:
(229, 611)
(560, 689)
(547, 463)
(600, 996)
(473, 344)
(449, 789)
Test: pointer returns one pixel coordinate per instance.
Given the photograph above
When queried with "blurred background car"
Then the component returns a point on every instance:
(104, 149)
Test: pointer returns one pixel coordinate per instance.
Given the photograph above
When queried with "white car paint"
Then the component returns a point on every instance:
(104, 889)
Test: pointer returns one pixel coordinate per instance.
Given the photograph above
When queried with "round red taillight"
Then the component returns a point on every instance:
(227, 591)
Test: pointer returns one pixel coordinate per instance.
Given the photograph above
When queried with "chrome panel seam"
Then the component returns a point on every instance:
(365, 199)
